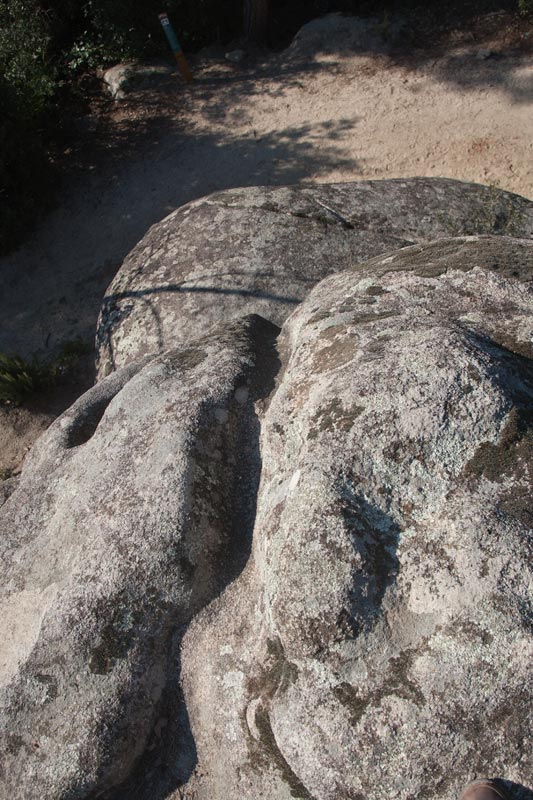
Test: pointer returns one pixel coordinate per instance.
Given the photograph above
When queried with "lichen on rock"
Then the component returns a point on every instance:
(286, 564)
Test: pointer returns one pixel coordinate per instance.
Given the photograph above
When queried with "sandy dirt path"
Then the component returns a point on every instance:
(305, 115)
(335, 106)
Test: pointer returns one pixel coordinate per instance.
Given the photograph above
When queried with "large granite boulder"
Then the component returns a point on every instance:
(261, 250)
(132, 512)
(373, 637)
(380, 641)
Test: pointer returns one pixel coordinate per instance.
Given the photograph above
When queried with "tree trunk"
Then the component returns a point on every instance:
(255, 19)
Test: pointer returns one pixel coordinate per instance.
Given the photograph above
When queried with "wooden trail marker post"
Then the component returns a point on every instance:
(175, 47)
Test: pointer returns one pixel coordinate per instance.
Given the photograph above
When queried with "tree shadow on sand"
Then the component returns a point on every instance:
(80, 245)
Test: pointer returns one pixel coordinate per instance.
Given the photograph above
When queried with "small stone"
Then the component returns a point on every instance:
(235, 56)
(123, 78)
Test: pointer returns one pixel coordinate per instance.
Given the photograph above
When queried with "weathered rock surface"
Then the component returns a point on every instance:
(378, 642)
(261, 250)
(132, 512)
(7, 487)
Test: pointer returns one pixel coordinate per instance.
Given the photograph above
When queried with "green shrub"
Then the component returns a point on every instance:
(24, 62)
(71, 351)
(525, 7)
(19, 378)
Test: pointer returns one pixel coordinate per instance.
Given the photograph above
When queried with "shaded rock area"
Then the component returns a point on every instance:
(262, 566)
(334, 33)
(261, 250)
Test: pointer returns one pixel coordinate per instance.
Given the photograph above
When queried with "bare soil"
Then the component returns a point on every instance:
(316, 112)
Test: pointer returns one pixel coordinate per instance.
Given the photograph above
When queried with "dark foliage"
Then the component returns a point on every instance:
(27, 84)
